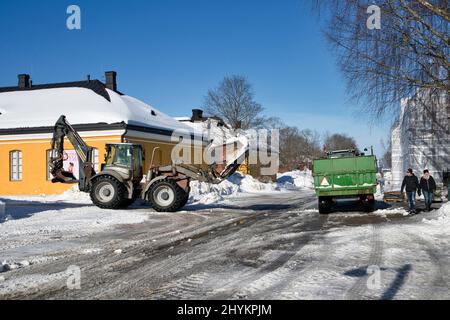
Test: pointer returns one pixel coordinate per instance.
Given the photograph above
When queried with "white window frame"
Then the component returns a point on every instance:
(15, 165)
(95, 160)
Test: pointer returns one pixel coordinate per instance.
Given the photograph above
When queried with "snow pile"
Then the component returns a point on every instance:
(443, 217)
(296, 179)
(238, 183)
(73, 195)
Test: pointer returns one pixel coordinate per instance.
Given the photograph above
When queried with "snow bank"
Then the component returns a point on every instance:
(238, 183)
(296, 179)
(73, 195)
(443, 217)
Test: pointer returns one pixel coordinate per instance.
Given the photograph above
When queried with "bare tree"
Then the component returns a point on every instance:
(338, 141)
(298, 147)
(408, 56)
(233, 100)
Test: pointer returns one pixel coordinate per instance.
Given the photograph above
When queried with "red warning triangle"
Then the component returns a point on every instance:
(324, 182)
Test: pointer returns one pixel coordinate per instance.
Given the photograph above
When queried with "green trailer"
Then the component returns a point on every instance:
(345, 174)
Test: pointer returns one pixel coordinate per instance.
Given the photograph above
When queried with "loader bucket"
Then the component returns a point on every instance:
(233, 152)
(61, 176)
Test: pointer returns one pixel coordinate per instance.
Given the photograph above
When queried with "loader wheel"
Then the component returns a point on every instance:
(325, 205)
(108, 193)
(166, 196)
(185, 199)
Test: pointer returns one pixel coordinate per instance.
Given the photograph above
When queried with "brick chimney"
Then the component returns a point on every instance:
(197, 115)
(24, 81)
(111, 80)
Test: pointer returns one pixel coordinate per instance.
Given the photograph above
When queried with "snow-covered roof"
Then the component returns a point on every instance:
(41, 108)
(183, 118)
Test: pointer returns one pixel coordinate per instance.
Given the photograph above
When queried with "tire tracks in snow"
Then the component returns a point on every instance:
(136, 273)
(270, 275)
(357, 291)
(183, 286)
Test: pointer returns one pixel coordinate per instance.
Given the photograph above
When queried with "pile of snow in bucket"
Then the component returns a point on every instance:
(296, 179)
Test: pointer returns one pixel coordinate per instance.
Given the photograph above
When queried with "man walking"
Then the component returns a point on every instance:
(428, 186)
(411, 184)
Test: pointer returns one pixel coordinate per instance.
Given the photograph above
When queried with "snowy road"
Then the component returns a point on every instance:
(261, 246)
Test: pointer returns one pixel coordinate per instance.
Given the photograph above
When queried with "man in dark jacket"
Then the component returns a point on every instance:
(428, 186)
(411, 184)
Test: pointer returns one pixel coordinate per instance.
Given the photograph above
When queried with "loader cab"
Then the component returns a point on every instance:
(125, 156)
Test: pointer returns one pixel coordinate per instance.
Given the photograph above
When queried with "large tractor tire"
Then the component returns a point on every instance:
(185, 198)
(325, 205)
(167, 196)
(108, 193)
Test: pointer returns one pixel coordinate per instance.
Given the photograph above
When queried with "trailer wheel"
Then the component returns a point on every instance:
(166, 196)
(107, 192)
(325, 205)
(369, 205)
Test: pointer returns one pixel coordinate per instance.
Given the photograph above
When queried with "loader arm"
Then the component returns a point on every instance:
(63, 129)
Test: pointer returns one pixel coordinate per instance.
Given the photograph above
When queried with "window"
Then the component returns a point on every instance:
(95, 160)
(15, 165)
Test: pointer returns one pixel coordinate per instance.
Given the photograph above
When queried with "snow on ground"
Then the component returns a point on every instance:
(442, 220)
(73, 195)
(70, 222)
(31, 220)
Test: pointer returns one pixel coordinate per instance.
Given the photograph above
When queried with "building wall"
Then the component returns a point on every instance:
(34, 165)
(421, 140)
(34, 159)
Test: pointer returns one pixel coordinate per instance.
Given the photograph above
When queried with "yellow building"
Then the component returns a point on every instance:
(98, 111)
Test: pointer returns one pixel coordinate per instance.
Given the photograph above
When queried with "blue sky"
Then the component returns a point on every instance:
(168, 53)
